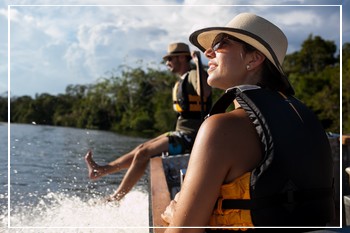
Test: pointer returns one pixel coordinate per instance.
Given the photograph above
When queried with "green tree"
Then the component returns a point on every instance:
(145, 98)
(346, 88)
(63, 115)
(315, 75)
(43, 108)
(3, 108)
(316, 54)
(21, 109)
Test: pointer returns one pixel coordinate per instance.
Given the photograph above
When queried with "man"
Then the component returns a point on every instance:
(190, 106)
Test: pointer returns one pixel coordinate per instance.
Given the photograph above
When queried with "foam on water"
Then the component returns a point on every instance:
(58, 212)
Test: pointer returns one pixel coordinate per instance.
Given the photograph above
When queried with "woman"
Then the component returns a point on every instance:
(269, 158)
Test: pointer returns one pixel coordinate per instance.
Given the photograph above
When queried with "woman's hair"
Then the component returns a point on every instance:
(271, 77)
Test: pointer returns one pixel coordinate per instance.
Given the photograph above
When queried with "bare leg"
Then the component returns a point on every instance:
(92, 166)
(96, 171)
(139, 165)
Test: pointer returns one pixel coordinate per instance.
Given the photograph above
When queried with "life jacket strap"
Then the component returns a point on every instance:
(191, 115)
(290, 197)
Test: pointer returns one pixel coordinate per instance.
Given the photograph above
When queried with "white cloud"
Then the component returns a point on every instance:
(3, 12)
(78, 44)
(301, 18)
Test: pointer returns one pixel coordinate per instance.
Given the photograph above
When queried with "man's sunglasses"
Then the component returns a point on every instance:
(169, 58)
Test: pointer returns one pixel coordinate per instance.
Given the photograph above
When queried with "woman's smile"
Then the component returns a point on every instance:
(212, 66)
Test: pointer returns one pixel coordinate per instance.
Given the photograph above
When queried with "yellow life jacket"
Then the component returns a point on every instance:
(186, 100)
(240, 218)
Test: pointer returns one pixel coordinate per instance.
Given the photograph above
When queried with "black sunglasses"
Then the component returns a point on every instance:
(222, 39)
(170, 58)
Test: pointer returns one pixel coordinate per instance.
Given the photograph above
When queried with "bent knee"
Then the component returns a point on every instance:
(142, 155)
(139, 147)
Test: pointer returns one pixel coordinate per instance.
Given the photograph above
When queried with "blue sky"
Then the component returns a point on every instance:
(54, 46)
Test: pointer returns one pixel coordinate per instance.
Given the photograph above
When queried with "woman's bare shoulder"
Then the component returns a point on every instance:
(232, 138)
(236, 119)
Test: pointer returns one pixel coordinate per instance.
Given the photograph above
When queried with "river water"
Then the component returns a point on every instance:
(49, 187)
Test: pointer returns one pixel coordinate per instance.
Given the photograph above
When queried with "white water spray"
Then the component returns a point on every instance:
(63, 213)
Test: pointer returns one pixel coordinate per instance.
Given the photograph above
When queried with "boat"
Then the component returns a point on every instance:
(166, 175)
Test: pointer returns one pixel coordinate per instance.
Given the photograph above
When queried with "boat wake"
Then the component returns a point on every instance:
(59, 212)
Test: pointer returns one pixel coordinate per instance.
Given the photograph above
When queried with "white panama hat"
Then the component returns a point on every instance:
(255, 31)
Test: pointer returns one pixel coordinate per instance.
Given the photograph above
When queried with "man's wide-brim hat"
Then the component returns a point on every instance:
(177, 49)
(254, 30)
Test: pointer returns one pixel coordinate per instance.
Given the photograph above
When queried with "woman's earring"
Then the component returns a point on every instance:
(248, 67)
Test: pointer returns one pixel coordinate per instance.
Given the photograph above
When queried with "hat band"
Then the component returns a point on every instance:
(178, 52)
